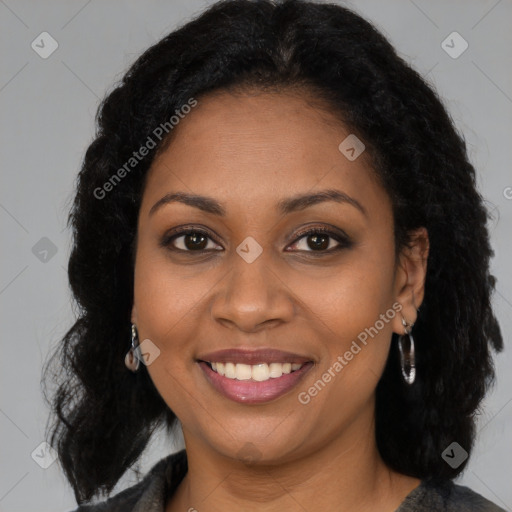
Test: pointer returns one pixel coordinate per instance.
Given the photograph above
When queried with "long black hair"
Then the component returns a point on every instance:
(105, 415)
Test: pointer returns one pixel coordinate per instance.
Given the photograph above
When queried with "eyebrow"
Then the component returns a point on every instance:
(284, 206)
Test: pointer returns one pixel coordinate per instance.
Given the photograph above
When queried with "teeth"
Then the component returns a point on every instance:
(243, 371)
(258, 372)
(230, 370)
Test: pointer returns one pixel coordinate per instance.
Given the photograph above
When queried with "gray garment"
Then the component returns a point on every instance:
(149, 495)
(446, 497)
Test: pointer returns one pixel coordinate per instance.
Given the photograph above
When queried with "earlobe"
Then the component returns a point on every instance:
(411, 276)
(134, 315)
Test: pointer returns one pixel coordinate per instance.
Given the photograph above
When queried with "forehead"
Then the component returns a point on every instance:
(256, 148)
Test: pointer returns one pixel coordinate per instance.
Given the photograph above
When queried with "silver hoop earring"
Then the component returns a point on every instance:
(132, 358)
(407, 356)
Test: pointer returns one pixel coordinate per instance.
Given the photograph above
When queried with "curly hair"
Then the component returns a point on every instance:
(104, 415)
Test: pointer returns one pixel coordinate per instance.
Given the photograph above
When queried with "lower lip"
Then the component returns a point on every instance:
(253, 392)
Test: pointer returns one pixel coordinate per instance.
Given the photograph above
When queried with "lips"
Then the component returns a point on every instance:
(250, 391)
(253, 356)
(253, 391)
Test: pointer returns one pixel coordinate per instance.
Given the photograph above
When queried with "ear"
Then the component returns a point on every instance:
(410, 278)
(134, 314)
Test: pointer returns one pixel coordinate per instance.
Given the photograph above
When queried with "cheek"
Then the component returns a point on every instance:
(352, 312)
(166, 313)
(166, 303)
(351, 297)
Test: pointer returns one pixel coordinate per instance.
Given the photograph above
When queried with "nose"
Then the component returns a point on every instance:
(252, 296)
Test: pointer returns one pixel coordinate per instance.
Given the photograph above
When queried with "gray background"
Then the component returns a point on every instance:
(47, 112)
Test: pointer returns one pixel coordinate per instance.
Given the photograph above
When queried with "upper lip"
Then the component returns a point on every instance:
(253, 356)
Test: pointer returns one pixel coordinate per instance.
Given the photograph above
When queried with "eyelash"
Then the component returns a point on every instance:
(343, 240)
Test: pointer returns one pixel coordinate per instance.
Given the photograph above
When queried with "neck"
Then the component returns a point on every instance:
(344, 475)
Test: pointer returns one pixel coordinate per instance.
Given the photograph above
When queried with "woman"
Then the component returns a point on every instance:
(278, 241)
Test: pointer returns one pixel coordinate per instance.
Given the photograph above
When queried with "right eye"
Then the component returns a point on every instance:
(188, 240)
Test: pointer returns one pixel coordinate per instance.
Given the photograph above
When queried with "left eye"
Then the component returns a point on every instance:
(318, 240)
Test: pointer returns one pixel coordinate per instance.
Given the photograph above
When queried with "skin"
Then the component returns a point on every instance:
(249, 151)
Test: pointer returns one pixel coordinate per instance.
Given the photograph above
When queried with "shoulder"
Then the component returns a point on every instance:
(446, 497)
(461, 496)
(149, 493)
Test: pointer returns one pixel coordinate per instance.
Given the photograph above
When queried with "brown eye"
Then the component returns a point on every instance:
(188, 241)
(318, 241)
(322, 240)
(315, 240)
(195, 241)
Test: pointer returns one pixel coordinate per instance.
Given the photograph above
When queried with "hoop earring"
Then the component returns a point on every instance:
(407, 356)
(132, 358)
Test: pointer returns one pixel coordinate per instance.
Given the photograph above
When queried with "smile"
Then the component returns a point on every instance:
(251, 384)
(257, 372)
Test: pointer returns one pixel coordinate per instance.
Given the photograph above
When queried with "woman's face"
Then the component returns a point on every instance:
(259, 283)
